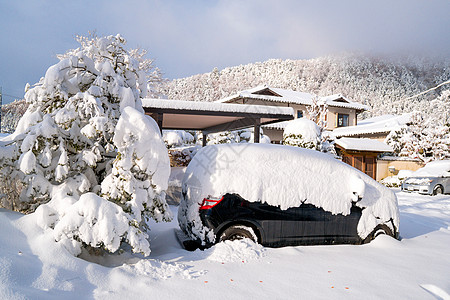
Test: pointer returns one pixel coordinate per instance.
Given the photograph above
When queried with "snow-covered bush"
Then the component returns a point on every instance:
(225, 137)
(176, 138)
(248, 136)
(92, 163)
(327, 141)
(391, 181)
(237, 136)
(302, 133)
(181, 156)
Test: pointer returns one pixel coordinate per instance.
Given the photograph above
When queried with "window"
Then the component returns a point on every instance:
(342, 120)
(299, 114)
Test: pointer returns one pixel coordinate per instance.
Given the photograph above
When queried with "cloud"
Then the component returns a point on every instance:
(190, 37)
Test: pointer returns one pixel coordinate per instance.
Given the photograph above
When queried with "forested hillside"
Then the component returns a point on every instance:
(381, 83)
(11, 114)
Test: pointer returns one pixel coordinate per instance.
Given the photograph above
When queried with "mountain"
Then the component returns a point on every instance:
(382, 83)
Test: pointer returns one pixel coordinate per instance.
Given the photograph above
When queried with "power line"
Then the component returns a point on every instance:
(429, 90)
(12, 96)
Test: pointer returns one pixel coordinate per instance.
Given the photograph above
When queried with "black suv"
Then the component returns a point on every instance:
(232, 217)
(279, 196)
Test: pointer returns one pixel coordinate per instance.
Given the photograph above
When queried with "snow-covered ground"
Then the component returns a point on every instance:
(33, 266)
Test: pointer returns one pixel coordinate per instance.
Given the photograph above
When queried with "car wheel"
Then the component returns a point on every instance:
(438, 190)
(379, 230)
(238, 232)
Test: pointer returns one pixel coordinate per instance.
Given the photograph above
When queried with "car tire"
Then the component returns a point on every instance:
(238, 232)
(438, 190)
(379, 230)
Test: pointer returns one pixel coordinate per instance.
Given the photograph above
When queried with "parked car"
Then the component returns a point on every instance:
(281, 195)
(433, 179)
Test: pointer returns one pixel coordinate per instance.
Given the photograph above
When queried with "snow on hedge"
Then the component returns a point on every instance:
(175, 138)
(282, 176)
(302, 133)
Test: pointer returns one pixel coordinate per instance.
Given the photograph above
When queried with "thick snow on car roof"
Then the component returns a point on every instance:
(287, 176)
(434, 169)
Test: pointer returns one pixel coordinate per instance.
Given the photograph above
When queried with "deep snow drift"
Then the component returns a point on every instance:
(33, 266)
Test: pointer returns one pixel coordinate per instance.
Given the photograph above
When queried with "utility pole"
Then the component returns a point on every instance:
(1, 104)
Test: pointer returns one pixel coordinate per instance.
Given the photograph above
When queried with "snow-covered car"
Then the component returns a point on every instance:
(281, 195)
(433, 179)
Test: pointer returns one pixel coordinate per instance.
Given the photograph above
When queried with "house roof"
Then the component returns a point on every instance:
(278, 125)
(369, 145)
(213, 117)
(288, 96)
(381, 124)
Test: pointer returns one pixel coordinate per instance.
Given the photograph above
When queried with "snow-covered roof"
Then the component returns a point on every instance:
(279, 125)
(398, 158)
(214, 106)
(363, 145)
(294, 97)
(211, 117)
(380, 124)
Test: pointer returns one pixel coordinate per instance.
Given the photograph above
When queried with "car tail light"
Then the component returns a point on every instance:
(210, 202)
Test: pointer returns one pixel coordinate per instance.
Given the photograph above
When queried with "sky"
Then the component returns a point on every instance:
(191, 37)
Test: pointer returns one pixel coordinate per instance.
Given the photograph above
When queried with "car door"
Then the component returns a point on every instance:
(446, 182)
(295, 225)
(309, 226)
(270, 217)
(302, 225)
(341, 228)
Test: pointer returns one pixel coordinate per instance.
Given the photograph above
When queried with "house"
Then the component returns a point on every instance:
(353, 143)
(376, 128)
(362, 154)
(342, 112)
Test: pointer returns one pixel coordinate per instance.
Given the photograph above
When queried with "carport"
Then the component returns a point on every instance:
(211, 117)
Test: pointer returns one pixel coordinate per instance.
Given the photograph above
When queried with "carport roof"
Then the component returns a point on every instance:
(212, 117)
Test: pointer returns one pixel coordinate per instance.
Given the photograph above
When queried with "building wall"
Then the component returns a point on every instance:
(361, 160)
(333, 114)
(275, 135)
(383, 167)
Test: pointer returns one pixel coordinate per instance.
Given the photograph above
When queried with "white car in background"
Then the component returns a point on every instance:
(433, 179)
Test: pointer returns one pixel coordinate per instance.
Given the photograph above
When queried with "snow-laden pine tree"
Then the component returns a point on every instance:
(93, 165)
(427, 137)
(317, 111)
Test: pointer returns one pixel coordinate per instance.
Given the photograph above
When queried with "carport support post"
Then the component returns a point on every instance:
(159, 120)
(204, 138)
(257, 131)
